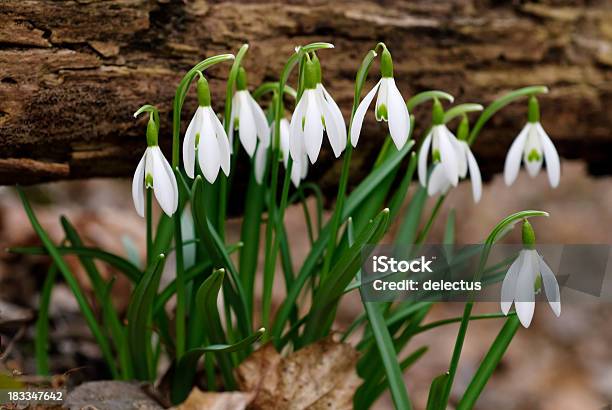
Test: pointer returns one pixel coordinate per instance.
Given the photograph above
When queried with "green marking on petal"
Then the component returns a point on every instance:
(537, 285)
(534, 156)
(303, 123)
(436, 155)
(236, 123)
(382, 113)
(323, 121)
(149, 181)
(197, 139)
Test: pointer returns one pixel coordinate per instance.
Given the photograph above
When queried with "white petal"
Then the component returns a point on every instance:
(138, 187)
(261, 156)
(438, 183)
(513, 159)
(284, 139)
(246, 125)
(337, 114)
(296, 173)
(313, 129)
(164, 183)
(233, 118)
(475, 177)
(334, 133)
(423, 154)
(533, 144)
(525, 295)
(208, 151)
(461, 148)
(551, 287)
(224, 147)
(360, 114)
(304, 167)
(382, 99)
(448, 156)
(399, 119)
(508, 290)
(551, 157)
(296, 130)
(189, 143)
(261, 122)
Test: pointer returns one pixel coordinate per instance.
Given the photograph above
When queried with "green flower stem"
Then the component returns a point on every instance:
(434, 213)
(360, 79)
(271, 248)
(495, 235)
(41, 341)
(229, 94)
(179, 99)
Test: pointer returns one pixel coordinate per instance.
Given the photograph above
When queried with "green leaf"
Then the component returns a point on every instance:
(435, 401)
(356, 197)
(216, 248)
(123, 265)
(407, 232)
(41, 341)
(140, 320)
(331, 289)
(424, 96)
(449, 231)
(72, 284)
(461, 109)
(489, 363)
(185, 370)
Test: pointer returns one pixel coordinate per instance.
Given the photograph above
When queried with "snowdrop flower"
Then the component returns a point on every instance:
(525, 279)
(534, 146)
(439, 182)
(206, 137)
(247, 117)
(298, 170)
(390, 106)
(315, 112)
(444, 149)
(154, 172)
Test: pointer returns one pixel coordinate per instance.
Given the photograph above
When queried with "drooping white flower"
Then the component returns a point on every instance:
(533, 146)
(206, 136)
(298, 170)
(439, 182)
(443, 147)
(315, 112)
(524, 280)
(390, 106)
(154, 172)
(521, 283)
(248, 117)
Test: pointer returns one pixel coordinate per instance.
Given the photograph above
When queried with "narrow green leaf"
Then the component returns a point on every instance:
(461, 109)
(41, 341)
(435, 400)
(185, 370)
(489, 363)
(407, 232)
(72, 284)
(140, 320)
(424, 96)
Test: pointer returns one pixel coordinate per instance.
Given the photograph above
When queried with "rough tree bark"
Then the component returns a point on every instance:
(73, 72)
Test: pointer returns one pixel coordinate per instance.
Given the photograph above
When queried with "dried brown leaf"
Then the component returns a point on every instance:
(319, 376)
(199, 400)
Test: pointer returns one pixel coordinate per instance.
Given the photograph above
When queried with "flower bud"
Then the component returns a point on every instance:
(533, 115)
(241, 80)
(152, 132)
(528, 235)
(386, 64)
(437, 113)
(203, 92)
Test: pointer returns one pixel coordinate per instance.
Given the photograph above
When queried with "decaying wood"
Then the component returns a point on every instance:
(73, 72)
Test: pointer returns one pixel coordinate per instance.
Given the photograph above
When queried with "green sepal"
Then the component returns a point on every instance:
(463, 130)
(533, 115)
(317, 63)
(386, 64)
(203, 92)
(310, 74)
(241, 79)
(528, 235)
(152, 132)
(437, 113)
